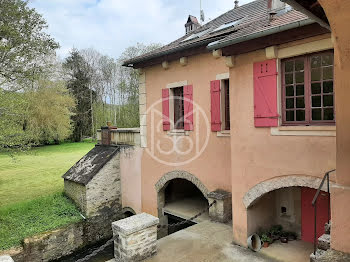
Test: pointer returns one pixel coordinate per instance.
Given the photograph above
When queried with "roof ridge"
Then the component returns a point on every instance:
(254, 17)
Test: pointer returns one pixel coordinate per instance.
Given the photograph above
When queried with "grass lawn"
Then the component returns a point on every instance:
(38, 172)
(20, 220)
(31, 199)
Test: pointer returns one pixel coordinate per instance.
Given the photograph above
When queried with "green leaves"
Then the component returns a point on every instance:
(26, 219)
(35, 116)
(24, 45)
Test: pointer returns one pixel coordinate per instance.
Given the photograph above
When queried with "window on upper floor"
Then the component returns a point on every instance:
(177, 108)
(178, 103)
(307, 90)
(220, 105)
(225, 104)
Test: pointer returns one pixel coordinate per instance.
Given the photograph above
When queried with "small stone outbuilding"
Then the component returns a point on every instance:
(93, 183)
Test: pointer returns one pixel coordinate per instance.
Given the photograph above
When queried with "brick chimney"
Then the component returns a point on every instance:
(106, 134)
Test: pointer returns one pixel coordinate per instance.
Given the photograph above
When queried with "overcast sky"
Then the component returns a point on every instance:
(112, 25)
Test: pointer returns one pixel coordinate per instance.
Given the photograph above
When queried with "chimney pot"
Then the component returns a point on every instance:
(236, 3)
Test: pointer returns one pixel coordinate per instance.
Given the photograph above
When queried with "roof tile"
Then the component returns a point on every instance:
(253, 18)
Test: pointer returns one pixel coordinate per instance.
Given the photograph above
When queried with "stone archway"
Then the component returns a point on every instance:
(166, 181)
(161, 184)
(128, 211)
(286, 201)
(256, 192)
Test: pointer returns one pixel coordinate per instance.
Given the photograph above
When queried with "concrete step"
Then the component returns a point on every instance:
(319, 254)
(327, 227)
(324, 242)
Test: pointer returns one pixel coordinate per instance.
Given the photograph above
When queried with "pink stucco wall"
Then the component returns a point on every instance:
(258, 156)
(212, 167)
(130, 176)
(337, 12)
(237, 163)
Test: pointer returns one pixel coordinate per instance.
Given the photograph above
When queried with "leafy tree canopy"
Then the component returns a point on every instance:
(35, 116)
(23, 43)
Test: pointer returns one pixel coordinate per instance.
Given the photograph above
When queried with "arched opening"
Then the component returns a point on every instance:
(180, 197)
(289, 212)
(128, 212)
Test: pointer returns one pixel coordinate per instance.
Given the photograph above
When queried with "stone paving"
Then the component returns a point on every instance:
(204, 242)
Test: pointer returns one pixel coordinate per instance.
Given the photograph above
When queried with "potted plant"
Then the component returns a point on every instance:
(284, 237)
(266, 240)
(292, 236)
(275, 232)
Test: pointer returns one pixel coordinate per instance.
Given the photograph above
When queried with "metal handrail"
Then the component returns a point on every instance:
(314, 204)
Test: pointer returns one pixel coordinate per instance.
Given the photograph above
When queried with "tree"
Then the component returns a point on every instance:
(24, 46)
(78, 83)
(35, 116)
(50, 108)
(128, 84)
(12, 114)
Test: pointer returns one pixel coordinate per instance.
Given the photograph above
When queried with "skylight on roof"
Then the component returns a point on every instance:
(228, 25)
(196, 35)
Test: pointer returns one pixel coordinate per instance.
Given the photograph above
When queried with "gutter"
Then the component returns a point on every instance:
(274, 30)
(130, 63)
(305, 11)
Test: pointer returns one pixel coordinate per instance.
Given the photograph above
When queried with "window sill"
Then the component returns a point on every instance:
(223, 133)
(304, 131)
(178, 132)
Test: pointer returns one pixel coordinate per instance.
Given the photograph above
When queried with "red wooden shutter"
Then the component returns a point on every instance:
(188, 107)
(265, 94)
(165, 108)
(215, 105)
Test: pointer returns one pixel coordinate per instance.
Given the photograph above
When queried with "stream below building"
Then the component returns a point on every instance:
(105, 255)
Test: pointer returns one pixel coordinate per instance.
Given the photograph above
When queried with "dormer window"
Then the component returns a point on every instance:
(191, 24)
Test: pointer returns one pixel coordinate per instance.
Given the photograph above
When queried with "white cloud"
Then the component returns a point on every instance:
(110, 26)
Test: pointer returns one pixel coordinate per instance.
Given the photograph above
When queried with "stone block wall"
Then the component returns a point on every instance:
(6, 259)
(76, 192)
(221, 211)
(104, 190)
(64, 241)
(135, 237)
(101, 193)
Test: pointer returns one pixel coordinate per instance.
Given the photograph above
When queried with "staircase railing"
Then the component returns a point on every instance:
(314, 204)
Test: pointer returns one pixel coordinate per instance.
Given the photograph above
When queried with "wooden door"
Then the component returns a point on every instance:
(307, 214)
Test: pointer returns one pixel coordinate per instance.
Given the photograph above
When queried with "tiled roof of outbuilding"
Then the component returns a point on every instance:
(247, 19)
(87, 167)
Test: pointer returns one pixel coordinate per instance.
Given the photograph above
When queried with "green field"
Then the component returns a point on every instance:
(31, 199)
(28, 218)
(38, 172)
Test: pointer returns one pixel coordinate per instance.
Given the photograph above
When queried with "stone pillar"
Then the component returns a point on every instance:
(221, 211)
(135, 237)
(6, 259)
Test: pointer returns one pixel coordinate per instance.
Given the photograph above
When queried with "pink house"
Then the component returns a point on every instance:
(241, 110)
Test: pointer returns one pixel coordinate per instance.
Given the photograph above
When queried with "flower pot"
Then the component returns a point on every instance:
(266, 244)
(291, 238)
(275, 237)
(284, 239)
